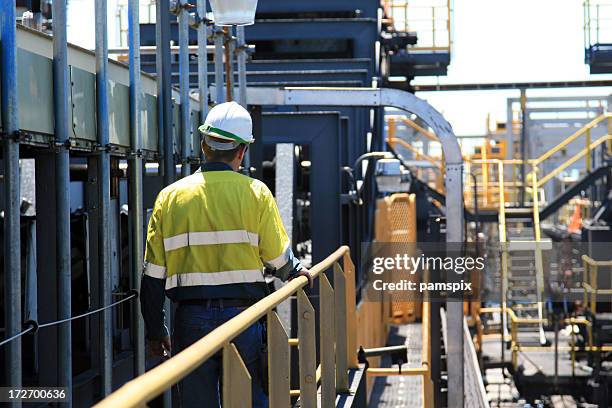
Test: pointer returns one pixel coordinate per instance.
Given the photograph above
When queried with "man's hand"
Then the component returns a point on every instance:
(161, 347)
(304, 272)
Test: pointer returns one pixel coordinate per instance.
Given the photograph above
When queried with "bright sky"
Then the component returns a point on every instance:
(493, 41)
(510, 41)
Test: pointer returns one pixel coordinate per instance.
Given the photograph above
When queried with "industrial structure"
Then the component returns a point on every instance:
(357, 164)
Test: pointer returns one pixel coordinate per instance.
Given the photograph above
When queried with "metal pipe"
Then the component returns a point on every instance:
(135, 180)
(523, 143)
(220, 97)
(103, 170)
(61, 99)
(229, 64)
(202, 61)
(185, 123)
(164, 90)
(241, 57)
(12, 216)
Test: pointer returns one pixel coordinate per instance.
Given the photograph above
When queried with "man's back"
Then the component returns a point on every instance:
(212, 230)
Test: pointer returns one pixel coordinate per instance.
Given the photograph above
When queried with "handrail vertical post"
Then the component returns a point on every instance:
(428, 397)
(135, 179)
(61, 99)
(588, 151)
(594, 284)
(12, 198)
(327, 343)
(351, 312)
(307, 351)
(235, 377)
(278, 363)
(341, 329)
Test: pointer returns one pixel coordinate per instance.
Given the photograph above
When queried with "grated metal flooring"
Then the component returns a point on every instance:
(400, 391)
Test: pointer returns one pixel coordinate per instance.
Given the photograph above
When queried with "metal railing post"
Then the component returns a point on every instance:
(12, 198)
(351, 312)
(342, 384)
(278, 363)
(235, 377)
(219, 85)
(185, 123)
(588, 151)
(61, 99)
(103, 175)
(307, 351)
(327, 343)
(135, 169)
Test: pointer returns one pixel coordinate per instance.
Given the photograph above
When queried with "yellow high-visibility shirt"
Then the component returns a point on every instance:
(211, 233)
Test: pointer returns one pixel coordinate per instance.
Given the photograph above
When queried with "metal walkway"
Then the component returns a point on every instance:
(401, 391)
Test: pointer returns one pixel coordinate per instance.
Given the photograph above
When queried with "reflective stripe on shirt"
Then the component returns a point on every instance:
(214, 278)
(154, 271)
(280, 260)
(210, 238)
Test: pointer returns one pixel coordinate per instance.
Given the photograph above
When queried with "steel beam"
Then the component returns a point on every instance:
(135, 195)
(12, 216)
(61, 99)
(185, 128)
(383, 97)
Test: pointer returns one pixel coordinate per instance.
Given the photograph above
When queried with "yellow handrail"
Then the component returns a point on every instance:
(573, 159)
(393, 140)
(146, 387)
(572, 137)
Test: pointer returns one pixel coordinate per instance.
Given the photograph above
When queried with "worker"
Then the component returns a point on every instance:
(209, 237)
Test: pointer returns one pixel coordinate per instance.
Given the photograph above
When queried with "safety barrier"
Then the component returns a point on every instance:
(395, 222)
(516, 347)
(431, 22)
(590, 285)
(338, 351)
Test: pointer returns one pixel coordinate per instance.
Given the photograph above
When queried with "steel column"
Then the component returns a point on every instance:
(230, 47)
(61, 99)
(164, 98)
(219, 85)
(202, 61)
(164, 90)
(103, 170)
(185, 125)
(12, 237)
(241, 56)
(135, 167)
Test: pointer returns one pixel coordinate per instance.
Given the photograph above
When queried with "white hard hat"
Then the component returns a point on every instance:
(227, 125)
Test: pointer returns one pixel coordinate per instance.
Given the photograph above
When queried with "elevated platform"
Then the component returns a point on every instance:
(599, 58)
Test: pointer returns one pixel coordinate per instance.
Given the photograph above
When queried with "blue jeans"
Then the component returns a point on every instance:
(201, 387)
